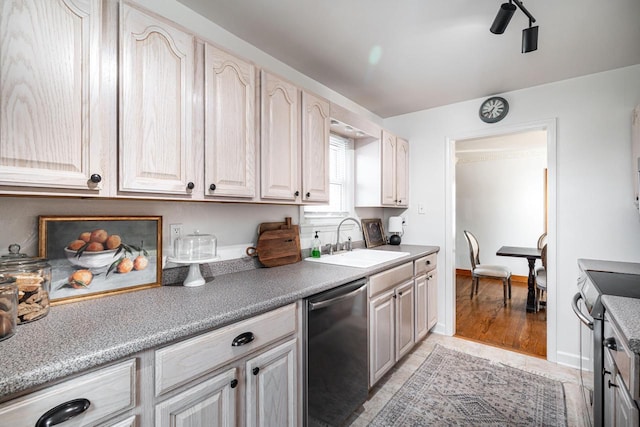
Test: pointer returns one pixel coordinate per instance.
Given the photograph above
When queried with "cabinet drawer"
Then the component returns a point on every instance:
(191, 358)
(109, 390)
(389, 278)
(626, 361)
(424, 264)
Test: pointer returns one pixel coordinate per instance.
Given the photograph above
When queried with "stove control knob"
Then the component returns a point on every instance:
(610, 343)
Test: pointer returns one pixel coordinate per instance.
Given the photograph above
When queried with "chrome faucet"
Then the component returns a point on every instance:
(338, 232)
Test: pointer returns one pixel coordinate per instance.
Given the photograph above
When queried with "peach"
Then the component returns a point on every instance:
(76, 244)
(94, 247)
(80, 279)
(113, 241)
(125, 266)
(85, 236)
(99, 236)
(140, 263)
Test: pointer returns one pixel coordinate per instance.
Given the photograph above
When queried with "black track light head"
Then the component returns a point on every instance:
(503, 18)
(530, 39)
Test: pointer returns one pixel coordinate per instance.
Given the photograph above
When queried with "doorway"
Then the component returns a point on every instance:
(501, 199)
(454, 250)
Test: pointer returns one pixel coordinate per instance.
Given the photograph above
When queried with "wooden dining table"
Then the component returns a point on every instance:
(531, 254)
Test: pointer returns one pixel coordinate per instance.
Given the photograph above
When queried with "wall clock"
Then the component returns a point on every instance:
(494, 109)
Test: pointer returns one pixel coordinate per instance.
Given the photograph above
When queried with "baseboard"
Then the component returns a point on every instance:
(573, 361)
(514, 277)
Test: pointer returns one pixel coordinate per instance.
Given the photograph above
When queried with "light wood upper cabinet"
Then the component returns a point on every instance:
(402, 172)
(382, 171)
(156, 95)
(50, 105)
(230, 132)
(279, 148)
(389, 143)
(315, 148)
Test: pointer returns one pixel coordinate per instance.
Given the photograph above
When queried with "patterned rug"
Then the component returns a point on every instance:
(456, 389)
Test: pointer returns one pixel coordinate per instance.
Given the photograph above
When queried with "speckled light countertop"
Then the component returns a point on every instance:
(78, 336)
(626, 314)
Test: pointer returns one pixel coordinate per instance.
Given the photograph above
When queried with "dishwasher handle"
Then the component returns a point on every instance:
(325, 303)
(583, 318)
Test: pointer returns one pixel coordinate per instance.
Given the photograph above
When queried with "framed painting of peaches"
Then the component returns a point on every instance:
(93, 256)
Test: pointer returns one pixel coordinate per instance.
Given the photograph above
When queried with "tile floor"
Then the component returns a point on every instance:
(387, 387)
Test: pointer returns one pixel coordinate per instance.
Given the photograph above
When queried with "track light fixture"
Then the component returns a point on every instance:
(500, 23)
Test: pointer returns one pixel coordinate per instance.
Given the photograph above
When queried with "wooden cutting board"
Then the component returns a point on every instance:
(278, 244)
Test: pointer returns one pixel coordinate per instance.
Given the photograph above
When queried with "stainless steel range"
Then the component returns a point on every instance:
(617, 279)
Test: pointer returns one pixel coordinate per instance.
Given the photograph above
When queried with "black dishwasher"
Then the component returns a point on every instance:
(336, 356)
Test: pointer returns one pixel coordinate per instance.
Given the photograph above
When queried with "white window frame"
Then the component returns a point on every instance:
(326, 222)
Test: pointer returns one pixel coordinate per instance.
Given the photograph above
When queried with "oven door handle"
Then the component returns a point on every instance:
(583, 318)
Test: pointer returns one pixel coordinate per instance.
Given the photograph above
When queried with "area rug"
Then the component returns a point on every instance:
(456, 389)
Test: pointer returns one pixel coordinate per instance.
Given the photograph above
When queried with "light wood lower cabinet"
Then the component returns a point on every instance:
(272, 387)
(426, 288)
(391, 319)
(108, 391)
(210, 403)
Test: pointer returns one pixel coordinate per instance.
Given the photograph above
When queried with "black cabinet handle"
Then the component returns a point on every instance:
(95, 178)
(234, 383)
(191, 185)
(242, 339)
(255, 371)
(400, 293)
(610, 343)
(63, 412)
(308, 194)
(212, 187)
(428, 262)
(612, 384)
(395, 296)
(297, 193)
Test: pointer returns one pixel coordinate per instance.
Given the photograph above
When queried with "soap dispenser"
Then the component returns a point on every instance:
(315, 246)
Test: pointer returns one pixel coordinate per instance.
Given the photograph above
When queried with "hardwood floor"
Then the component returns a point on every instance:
(485, 319)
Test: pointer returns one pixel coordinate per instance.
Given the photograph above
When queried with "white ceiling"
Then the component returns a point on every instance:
(431, 53)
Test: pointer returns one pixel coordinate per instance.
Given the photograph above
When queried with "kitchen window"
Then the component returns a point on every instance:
(341, 185)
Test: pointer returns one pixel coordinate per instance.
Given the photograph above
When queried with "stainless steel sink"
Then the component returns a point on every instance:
(361, 258)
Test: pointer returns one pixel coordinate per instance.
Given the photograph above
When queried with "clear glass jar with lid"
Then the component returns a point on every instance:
(8, 307)
(32, 277)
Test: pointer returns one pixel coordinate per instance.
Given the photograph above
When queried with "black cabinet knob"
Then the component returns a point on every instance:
(212, 187)
(400, 293)
(308, 194)
(428, 262)
(612, 384)
(95, 178)
(297, 193)
(234, 383)
(255, 371)
(63, 412)
(191, 185)
(610, 343)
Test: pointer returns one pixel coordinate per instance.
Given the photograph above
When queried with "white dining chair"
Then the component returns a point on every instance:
(541, 278)
(479, 270)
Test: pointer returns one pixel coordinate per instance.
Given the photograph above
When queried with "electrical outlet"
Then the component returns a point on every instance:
(405, 221)
(175, 231)
(421, 210)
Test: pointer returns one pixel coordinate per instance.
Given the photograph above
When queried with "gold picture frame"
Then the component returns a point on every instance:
(373, 232)
(94, 256)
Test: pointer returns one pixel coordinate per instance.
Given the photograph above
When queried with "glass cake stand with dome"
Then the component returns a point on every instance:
(194, 249)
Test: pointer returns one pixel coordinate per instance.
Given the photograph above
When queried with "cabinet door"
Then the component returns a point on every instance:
(210, 403)
(280, 139)
(156, 95)
(421, 293)
(50, 108)
(432, 298)
(402, 172)
(315, 148)
(389, 152)
(405, 319)
(381, 336)
(230, 144)
(272, 391)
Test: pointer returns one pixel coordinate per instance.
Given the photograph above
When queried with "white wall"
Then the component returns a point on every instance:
(595, 213)
(500, 199)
